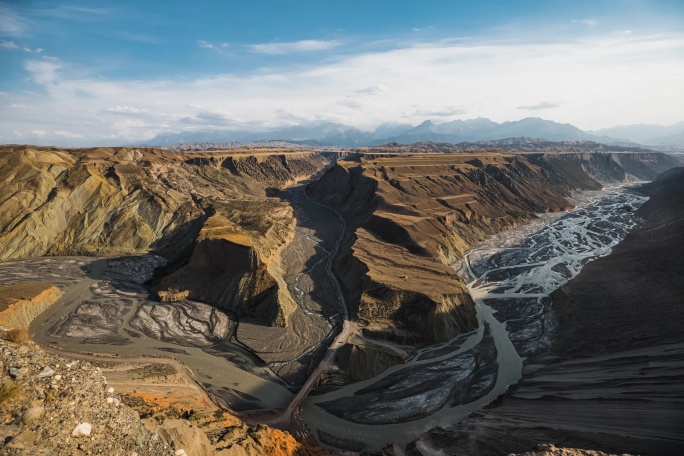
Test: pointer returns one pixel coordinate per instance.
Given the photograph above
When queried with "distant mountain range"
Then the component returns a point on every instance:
(471, 130)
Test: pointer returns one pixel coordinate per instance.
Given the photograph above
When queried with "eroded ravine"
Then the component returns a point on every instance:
(511, 283)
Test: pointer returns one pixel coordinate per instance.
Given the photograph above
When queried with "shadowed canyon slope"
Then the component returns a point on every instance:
(614, 379)
(201, 209)
(410, 217)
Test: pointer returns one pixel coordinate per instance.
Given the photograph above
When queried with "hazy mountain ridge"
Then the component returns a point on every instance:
(456, 131)
(646, 133)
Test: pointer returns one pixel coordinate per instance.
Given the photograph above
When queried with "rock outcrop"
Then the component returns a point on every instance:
(120, 201)
(186, 437)
(613, 381)
(274, 169)
(410, 217)
(230, 270)
(172, 295)
(20, 304)
(49, 403)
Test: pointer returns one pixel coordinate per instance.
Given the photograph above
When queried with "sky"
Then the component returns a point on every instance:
(90, 72)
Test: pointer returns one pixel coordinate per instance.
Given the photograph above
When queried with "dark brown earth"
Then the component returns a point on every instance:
(618, 384)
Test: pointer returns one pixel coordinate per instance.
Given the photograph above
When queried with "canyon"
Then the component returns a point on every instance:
(338, 274)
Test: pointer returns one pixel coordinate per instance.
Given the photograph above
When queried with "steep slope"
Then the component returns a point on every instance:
(20, 304)
(44, 397)
(410, 217)
(118, 201)
(606, 167)
(617, 384)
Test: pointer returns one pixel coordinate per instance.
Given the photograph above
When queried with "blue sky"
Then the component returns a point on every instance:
(88, 72)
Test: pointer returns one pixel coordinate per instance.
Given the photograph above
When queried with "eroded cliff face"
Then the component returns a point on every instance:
(410, 217)
(234, 273)
(20, 304)
(189, 208)
(274, 169)
(574, 168)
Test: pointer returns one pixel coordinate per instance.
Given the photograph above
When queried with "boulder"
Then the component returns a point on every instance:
(182, 435)
(82, 430)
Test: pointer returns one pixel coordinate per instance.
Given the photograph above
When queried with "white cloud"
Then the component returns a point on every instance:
(39, 133)
(8, 45)
(11, 23)
(17, 105)
(67, 134)
(588, 21)
(132, 129)
(449, 111)
(43, 71)
(373, 90)
(12, 45)
(125, 110)
(540, 105)
(293, 47)
(603, 80)
(207, 45)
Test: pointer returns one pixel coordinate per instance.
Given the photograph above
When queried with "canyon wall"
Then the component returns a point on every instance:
(616, 384)
(410, 217)
(20, 304)
(120, 201)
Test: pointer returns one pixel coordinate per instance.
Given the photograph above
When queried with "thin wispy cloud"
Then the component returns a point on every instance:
(588, 22)
(373, 90)
(207, 45)
(293, 47)
(125, 110)
(11, 23)
(5, 44)
(9, 45)
(68, 134)
(74, 13)
(451, 111)
(540, 105)
(601, 78)
(43, 71)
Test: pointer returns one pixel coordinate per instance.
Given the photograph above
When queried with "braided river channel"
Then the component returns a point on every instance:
(510, 278)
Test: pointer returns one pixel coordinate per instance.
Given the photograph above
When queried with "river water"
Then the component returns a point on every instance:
(511, 277)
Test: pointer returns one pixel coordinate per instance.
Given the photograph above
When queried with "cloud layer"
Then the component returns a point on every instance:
(592, 82)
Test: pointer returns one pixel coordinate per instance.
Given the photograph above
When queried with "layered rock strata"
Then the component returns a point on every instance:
(20, 304)
(410, 217)
(616, 382)
(189, 208)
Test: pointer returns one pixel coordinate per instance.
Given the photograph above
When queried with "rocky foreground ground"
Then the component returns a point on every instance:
(56, 406)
